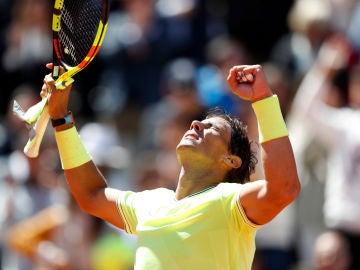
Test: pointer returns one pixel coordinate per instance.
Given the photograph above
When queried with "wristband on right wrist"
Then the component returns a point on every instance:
(271, 123)
(72, 151)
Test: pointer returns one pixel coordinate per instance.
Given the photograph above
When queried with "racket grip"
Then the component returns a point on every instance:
(32, 147)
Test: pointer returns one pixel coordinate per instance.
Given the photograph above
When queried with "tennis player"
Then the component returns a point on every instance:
(210, 221)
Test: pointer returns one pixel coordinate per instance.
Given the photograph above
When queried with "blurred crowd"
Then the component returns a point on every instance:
(163, 64)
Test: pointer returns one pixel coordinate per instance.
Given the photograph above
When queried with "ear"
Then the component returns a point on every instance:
(233, 161)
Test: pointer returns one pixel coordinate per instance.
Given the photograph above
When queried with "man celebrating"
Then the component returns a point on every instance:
(210, 221)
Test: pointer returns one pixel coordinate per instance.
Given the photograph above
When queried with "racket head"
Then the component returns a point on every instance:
(79, 28)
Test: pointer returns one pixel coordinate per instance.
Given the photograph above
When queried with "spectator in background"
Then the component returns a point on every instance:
(15, 203)
(179, 101)
(309, 22)
(106, 146)
(28, 38)
(331, 252)
(342, 15)
(33, 185)
(334, 123)
(352, 29)
(311, 153)
(61, 236)
(28, 186)
(5, 19)
(145, 36)
(222, 52)
(13, 135)
(27, 45)
(163, 123)
(51, 231)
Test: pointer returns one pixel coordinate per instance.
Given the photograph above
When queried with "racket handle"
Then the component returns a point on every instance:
(32, 147)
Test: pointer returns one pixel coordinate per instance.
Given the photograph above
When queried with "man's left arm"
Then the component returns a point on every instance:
(262, 200)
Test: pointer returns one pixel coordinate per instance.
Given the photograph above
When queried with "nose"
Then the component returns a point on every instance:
(196, 125)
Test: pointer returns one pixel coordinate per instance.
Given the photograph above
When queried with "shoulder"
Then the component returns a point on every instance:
(229, 191)
(230, 195)
(229, 188)
(157, 191)
(145, 196)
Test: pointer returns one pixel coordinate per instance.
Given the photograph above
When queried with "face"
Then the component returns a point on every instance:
(207, 140)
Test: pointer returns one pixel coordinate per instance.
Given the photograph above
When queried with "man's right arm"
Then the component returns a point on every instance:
(86, 183)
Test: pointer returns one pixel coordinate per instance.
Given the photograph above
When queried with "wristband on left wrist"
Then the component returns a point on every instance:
(271, 123)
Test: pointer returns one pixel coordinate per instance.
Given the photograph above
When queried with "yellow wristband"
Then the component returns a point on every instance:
(271, 123)
(72, 151)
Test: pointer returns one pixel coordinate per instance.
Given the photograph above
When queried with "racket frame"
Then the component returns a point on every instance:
(32, 147)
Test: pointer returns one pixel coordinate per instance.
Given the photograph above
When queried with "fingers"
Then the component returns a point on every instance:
(241, 77)
(48, 86)
(44, 91)
(49, 65)
(248, 82)
(243, 73)
(49, 82)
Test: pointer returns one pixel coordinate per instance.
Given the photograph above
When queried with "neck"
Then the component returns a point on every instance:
(191, 182)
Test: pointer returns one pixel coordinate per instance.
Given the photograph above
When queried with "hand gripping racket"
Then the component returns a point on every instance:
(79, 28)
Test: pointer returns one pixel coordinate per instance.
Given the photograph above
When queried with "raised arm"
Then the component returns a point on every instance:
(310, 108)
(85, 181)
(262, 200)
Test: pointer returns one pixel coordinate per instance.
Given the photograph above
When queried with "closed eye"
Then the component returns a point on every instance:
(212, 126)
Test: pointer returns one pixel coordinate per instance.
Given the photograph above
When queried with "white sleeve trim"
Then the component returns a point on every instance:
(242, 212)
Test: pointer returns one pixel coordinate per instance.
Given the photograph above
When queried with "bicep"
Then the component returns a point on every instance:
(257, 203)
(254, 202)
(262, 200)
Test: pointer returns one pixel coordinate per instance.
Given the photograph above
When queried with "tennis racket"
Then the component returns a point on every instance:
(79, 28)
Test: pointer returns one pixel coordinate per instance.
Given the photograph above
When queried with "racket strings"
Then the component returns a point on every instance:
(79, 26)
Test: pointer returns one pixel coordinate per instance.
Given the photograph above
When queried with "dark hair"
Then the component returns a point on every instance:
(239, 145)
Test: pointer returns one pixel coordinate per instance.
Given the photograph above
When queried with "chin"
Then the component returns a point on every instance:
(184, 143)
(180, 146)
(184, 146)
